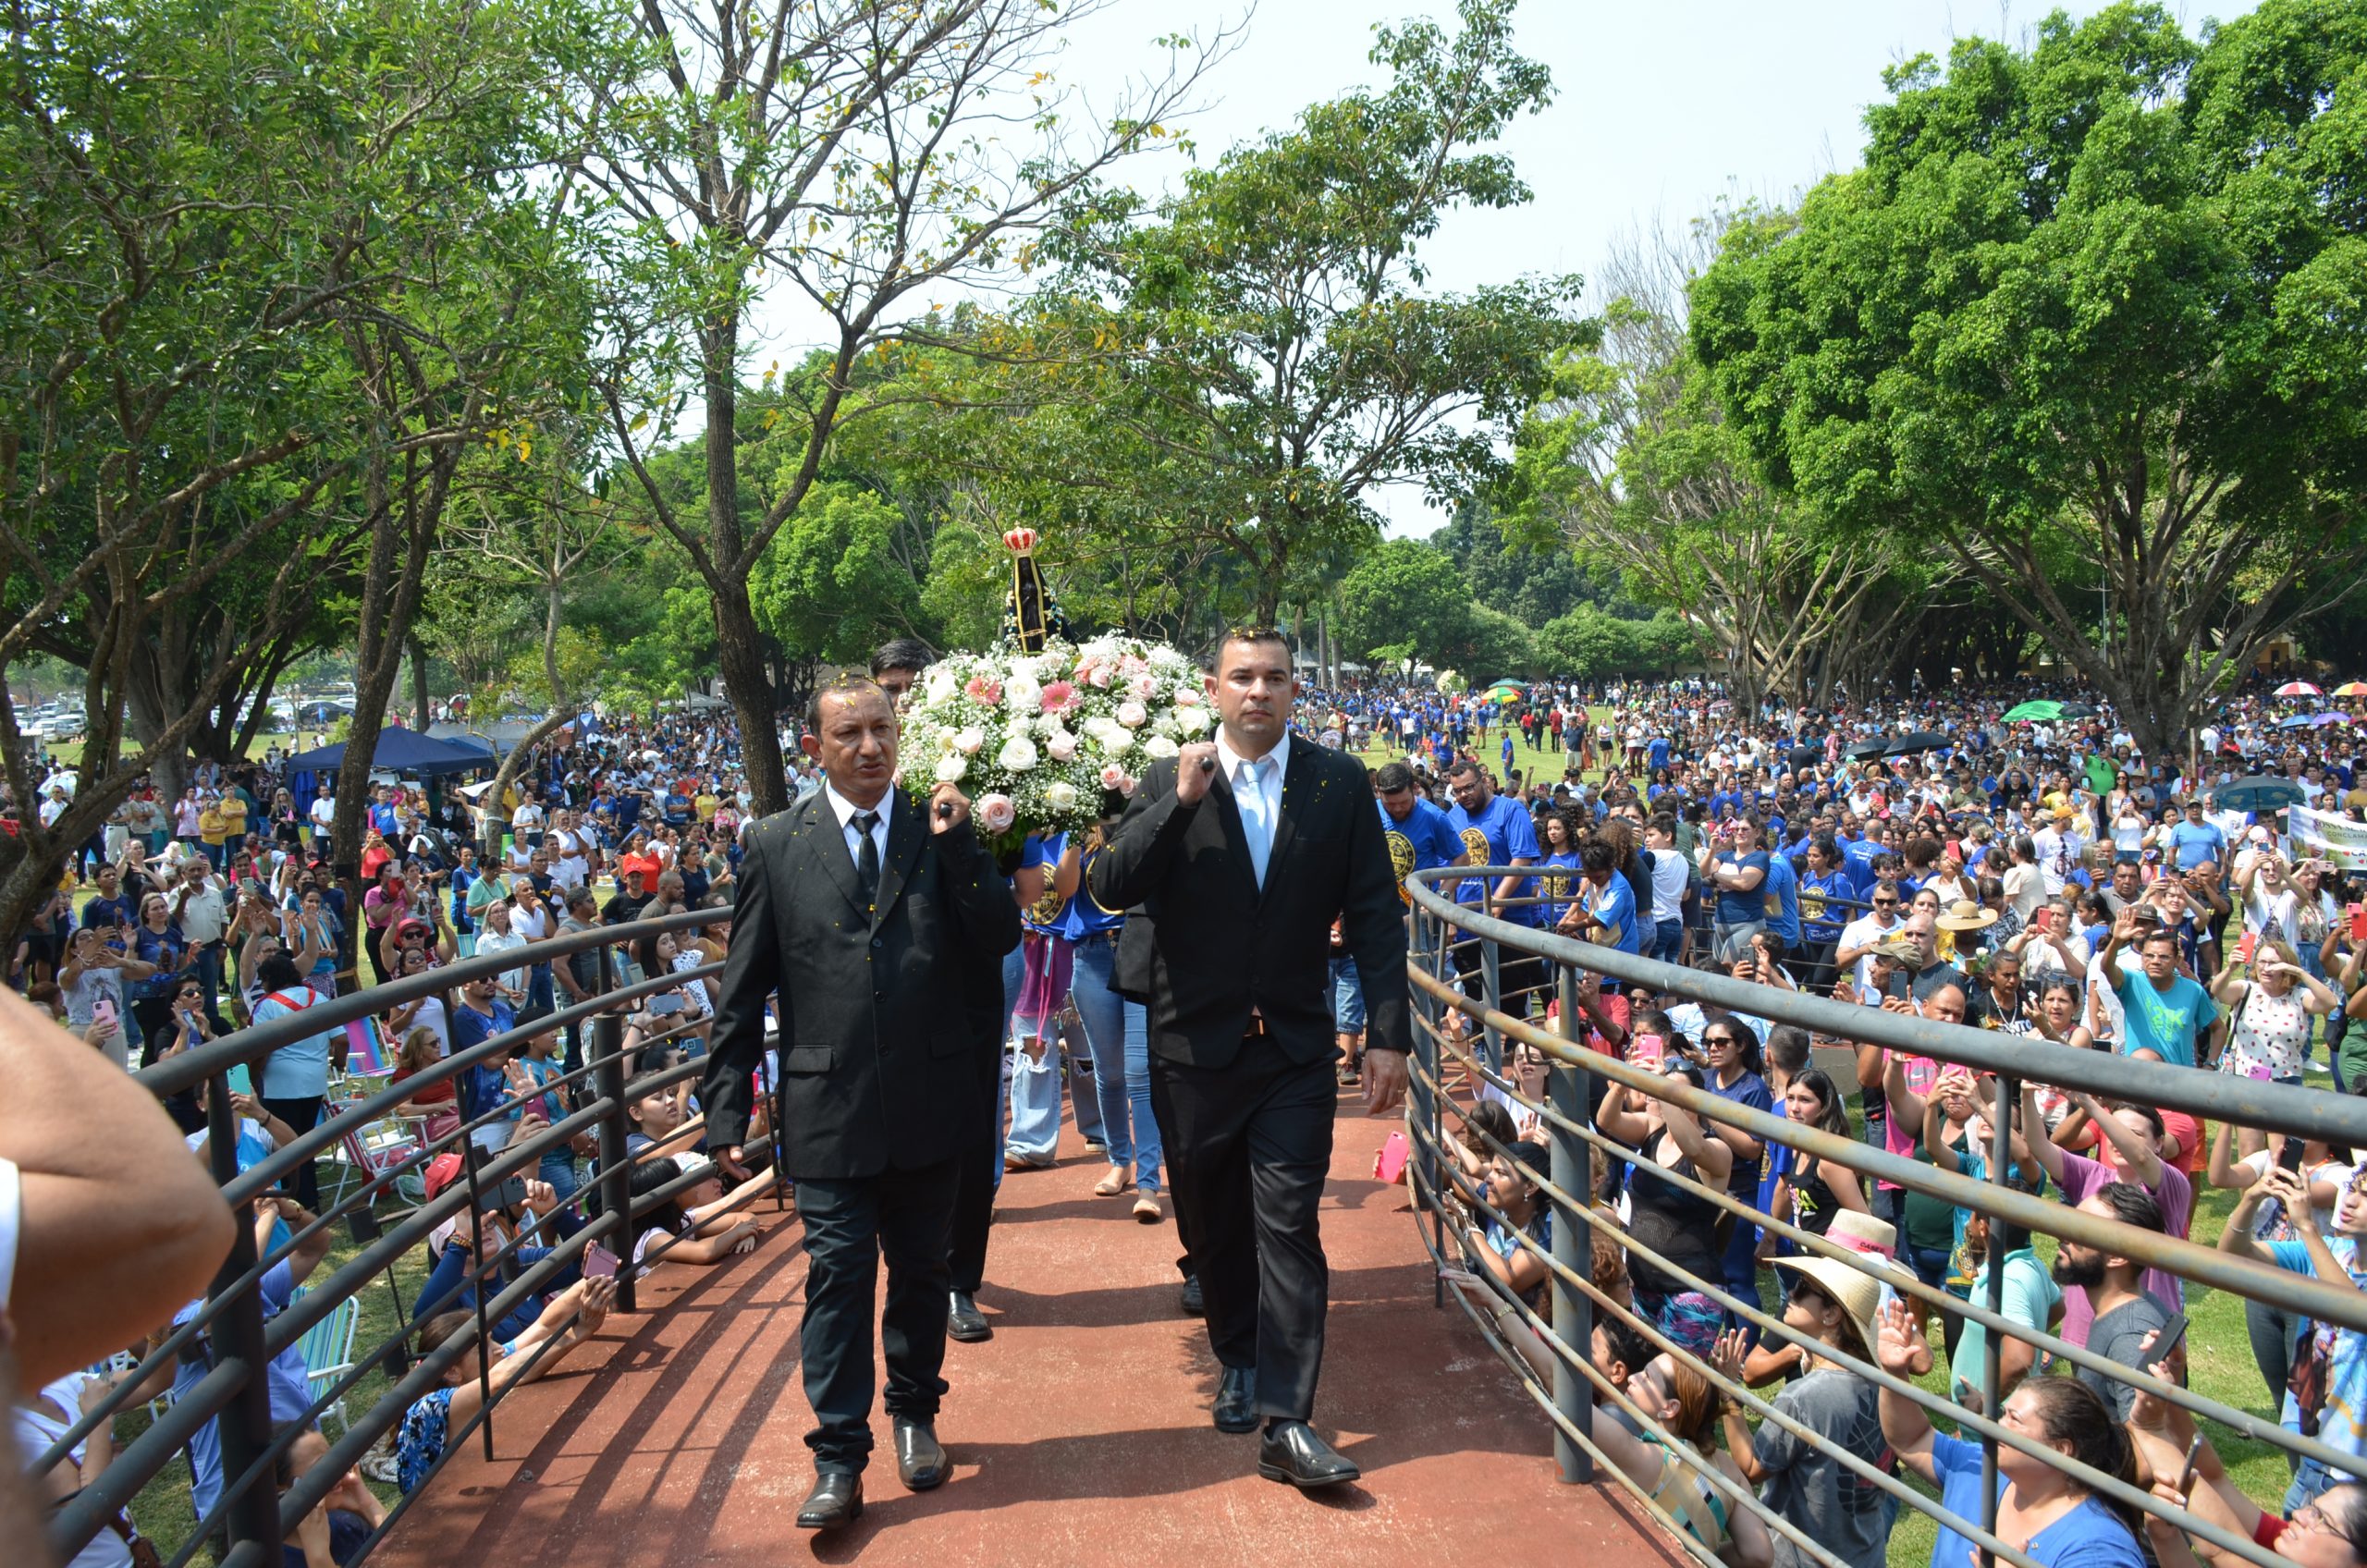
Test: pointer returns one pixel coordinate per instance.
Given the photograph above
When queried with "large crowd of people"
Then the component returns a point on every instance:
(2038, 878)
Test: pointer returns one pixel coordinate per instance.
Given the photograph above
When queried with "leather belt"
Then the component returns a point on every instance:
(1257, 1030)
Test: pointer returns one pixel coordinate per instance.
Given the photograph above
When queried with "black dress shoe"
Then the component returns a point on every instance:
(965, 1322)
(1291, 1452)
(1236, 1407)
(837, 1499)
(920, 1461)
(1194, 1306)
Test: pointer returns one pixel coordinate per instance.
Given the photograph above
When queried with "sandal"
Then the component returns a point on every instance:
(1110, 1187)
(1147, 1208)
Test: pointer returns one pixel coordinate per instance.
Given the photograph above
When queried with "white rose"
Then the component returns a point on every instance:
(996, 813)
(967, 741)
(1018, 755)
(1060, 744)
(1160, 746)
(942, 686)
(1191, 722)
(1164, 724)
(1060, 795)
(1022, 693)
(1118, 741)
(1132, 714)
(949, 768)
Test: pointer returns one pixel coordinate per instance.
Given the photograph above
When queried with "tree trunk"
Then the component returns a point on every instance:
(740, 650)
(421, 712)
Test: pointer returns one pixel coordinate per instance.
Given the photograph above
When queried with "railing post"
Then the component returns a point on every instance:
(1422, 1098)
(244, 1428)
(616, 1170)
(1569, 1090)
(1491, 1044)
(468, 1158)
(1992, 1342)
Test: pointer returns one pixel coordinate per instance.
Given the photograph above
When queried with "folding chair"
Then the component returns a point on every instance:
(368, 1151)
(328, 1355)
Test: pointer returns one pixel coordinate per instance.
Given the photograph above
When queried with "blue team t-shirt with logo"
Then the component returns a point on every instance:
(1501, 833)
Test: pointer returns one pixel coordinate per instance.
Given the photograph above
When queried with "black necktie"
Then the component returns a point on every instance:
(866, 859)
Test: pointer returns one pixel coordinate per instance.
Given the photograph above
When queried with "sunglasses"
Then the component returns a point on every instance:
(1885, 904)
(1720, 1040)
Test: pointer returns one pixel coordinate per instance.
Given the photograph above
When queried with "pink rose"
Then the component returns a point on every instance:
(1143, 685)
(1061, 745)
(1114, 778)
(996, 813)
(1059, 696)
(1130, 665)
(984, 690)
(1133, 715)
(1097, 676)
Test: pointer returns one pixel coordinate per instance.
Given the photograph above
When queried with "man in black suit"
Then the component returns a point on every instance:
(991, 989)
(865, 910)
(1235, 858)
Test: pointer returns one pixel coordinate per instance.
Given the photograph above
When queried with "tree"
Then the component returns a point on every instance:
(1266, 334)
(1532, 582)
(1406, 598)
(1631, 462)
(2100, 297)
(859, 151)
(831, 589)
(221, 273)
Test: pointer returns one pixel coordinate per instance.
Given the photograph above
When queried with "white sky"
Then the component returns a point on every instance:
(1658, 109)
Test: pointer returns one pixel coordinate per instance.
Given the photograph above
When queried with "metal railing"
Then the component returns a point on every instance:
(229, 1330)
(1458, 950)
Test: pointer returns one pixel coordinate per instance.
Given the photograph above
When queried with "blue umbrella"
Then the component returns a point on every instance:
(2260, 792)
(2297, 721)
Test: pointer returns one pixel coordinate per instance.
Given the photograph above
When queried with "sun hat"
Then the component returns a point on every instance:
(1857, 1288)
(1966, 915)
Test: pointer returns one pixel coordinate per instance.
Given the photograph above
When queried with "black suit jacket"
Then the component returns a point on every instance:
(1204, 945)
(878, 1045)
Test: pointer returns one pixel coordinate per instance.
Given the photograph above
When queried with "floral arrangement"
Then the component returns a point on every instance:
(1036, 737)
(1451, 682)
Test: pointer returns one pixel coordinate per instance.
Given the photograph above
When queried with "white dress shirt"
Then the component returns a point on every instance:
(846, 809)
(1265, 803)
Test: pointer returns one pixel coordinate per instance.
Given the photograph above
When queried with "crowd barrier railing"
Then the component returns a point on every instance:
(255, 1516)
(1465, 1018)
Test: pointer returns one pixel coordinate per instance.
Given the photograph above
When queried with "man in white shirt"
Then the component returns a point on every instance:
(1854, 950)
(2060, 848)
(202, 912)
(323, 815)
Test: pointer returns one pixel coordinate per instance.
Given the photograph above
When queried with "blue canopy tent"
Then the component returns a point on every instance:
(398, 751)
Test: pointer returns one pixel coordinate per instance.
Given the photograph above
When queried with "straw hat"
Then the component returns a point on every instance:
(1967, 914)
(1859, 1288)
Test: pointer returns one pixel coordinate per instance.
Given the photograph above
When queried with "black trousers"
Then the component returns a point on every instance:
(849, 1223)
(1248, 1148)
(304, 1181)
(973, 1182)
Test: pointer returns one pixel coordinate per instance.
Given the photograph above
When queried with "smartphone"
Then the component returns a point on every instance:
(665, 1003)
(1897, 984)
(512, 1193)
(2249, 946)
(1648, 1050)
(2172, 1334)
(2359, 923)
(102, 1010)
(2043, 919)
(2290, 1156)
(599, 1263)
(2186, 1475)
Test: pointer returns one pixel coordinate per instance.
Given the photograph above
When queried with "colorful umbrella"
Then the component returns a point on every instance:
(2299, 689)
(2322, 719)
(2352, 689)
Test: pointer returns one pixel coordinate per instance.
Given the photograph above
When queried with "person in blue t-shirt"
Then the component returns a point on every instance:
(1416, 833)
(1822, 913)
(1783, 884)
(1495, 830)
(2063, 1524)
(1739, 870)
(1605, 912)
(2197, 841)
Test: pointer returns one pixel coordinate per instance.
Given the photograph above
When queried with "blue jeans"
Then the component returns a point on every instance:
(1014, 965)
(1118, 1032)
(1668, 941)
(1347, 998)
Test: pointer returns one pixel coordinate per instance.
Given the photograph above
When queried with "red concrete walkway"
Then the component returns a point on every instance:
(1079, 1433)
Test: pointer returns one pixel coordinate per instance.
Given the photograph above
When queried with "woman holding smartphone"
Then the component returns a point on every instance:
(2269, 1014)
